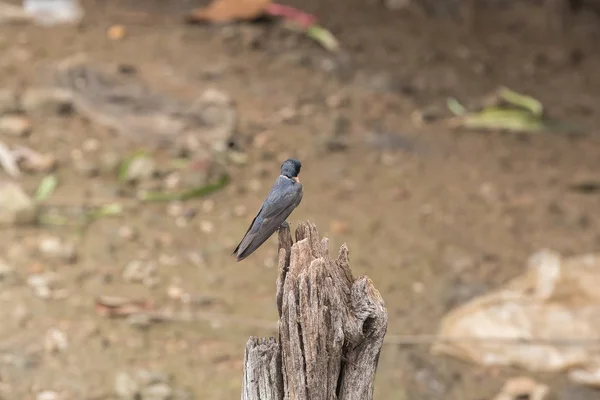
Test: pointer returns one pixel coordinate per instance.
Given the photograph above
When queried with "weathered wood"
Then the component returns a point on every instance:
(262, 372)
(331, 327)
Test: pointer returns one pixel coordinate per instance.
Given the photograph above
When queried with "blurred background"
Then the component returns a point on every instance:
(138, 138)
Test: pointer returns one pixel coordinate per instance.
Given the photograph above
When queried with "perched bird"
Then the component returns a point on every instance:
(284, 197)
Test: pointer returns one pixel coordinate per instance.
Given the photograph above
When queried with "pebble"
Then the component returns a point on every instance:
(91, 145)
(173, 180)
(159, 391)
(15, 125)
(16, 206)
(175, 208)
(55, 341)
(47, 395)
(141, 271)
(9, 101)
(127, 232)
(46, 102)
(523, 387)
(126, 387)
(207, 226)
(42, 284)
(287, 115)
(55, 248)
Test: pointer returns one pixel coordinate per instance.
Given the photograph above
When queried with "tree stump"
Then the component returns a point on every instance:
(331, 328)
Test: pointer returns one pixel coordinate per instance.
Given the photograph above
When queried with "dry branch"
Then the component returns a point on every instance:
(331, 328)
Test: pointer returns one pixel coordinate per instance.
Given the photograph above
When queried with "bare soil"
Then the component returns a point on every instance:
(433, 216)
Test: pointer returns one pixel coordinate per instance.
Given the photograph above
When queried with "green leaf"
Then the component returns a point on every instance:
(455, 107)
(124, 168)
(529, 103)
(46, 188)
(186, 194)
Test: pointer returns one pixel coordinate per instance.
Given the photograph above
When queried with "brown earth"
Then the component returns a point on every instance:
(433, 216)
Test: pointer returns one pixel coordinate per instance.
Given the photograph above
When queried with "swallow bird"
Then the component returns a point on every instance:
(284, 197)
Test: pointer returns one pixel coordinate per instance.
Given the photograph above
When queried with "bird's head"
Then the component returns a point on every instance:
(291, 168)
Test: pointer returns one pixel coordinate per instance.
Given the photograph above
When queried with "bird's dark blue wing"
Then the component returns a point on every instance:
(284, 197)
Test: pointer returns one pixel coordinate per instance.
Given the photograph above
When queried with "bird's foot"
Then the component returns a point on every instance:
(285, 225)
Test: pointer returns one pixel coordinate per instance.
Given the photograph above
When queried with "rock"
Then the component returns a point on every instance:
(15, 125)
(140, 271)
(522, 387)
(47, 395)
(9, 102)
(46, 102)
(55, 341)
(126, 387)
(16, 206)
(42, 285)
(55, 248)
(159, 391)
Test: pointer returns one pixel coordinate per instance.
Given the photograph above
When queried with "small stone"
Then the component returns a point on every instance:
(47, 395)
(16, 207)
(15, 125)
(56, 341)
(206, 226)
(140, 271)
(148, 377)
(159, 391)
(287, 115)
(91, 145)
(522, 387)
(9, 102)
(42, 285)
(175, 208)
(127, 232)
(55, 248)
(140, 320)
(126, 387)
(46, 102)
(173, 180)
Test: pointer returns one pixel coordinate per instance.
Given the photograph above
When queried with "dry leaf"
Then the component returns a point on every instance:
(220, 11)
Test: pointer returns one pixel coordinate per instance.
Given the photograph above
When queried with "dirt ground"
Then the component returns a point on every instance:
(433, 216)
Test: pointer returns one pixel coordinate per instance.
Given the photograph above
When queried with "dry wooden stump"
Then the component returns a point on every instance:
(331, 328)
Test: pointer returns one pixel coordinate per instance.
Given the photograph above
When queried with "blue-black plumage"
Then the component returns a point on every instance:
(284, 197)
